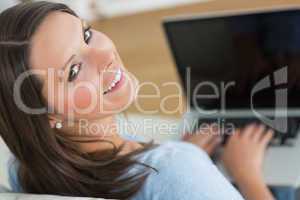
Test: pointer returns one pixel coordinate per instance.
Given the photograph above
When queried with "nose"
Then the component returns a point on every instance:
(99, 58)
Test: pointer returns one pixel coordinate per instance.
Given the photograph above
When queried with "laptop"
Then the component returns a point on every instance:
(242, 67)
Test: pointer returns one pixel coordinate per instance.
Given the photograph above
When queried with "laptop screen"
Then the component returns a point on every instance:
(234, 61)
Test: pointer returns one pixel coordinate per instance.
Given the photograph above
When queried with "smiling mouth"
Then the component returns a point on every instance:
(114, 83)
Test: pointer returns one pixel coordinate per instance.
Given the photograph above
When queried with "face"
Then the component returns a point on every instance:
(82, 74)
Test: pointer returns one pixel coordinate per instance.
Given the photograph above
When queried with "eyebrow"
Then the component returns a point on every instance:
(84, 24)
(66, 65)
(68, 62)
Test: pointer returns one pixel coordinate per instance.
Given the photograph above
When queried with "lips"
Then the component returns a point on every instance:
(115, 81)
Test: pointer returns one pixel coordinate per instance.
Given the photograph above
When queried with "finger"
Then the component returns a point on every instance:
(235, 136)
(247, 132)
(189, 135)
(186, 136)
(213, 144)
(259, 132)
(266, 139)
(200, 137)
(209, 130)
(215, 130)
(206, 138)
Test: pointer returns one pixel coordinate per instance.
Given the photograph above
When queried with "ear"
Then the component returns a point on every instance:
(53, 120)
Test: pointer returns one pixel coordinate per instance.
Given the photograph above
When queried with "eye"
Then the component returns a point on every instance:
(87, 34)
(74, 71)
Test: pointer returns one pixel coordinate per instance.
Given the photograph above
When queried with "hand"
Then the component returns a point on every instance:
(244, 152)
(208, 139)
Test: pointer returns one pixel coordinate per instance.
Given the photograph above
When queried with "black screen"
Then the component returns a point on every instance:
(242, 50)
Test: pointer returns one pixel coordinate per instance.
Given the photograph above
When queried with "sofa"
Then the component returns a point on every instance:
(5, 193)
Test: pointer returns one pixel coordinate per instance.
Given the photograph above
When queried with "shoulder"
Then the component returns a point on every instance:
(173, 152)
(184, 171)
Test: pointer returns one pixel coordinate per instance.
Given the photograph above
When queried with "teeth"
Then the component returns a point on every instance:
(118, 76)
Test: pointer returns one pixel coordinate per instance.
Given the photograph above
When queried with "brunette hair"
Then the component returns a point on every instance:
(48, 162)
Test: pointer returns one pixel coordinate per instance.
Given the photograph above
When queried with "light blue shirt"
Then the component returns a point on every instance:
(185, 172)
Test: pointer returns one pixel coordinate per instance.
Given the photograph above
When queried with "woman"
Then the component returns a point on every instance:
(71, 67)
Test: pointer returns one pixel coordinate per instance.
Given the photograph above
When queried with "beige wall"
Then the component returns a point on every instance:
(142, 45)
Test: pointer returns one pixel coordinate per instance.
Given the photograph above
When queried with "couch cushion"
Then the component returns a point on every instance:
(5, 155)
(9, 196)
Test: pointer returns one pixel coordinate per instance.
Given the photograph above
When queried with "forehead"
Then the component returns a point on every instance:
(56, 39)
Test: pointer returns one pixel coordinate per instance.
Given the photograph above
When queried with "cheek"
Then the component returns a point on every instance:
(82, 98)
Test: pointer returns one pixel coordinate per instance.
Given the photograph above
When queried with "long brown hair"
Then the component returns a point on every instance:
(48, 162)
